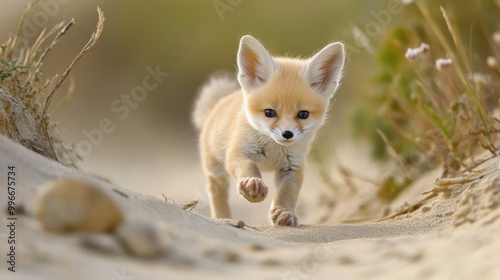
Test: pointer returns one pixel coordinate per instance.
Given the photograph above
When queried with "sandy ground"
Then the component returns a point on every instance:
(454, 235)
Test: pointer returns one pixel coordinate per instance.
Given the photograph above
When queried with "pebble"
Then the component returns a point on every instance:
(70, 205)
(256, 247)
(102, 243)
(144, 239)
(231, 256)
(270, 262)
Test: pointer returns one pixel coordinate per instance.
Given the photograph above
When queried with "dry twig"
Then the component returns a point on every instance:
(93, 39)
(190, 206)
(37, 63)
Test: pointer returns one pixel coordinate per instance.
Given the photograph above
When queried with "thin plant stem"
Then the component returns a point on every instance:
(93, 39)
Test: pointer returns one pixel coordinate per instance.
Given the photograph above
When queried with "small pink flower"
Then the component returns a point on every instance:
(412, 54)
(492, 62)
(443, 63)
(496, 37)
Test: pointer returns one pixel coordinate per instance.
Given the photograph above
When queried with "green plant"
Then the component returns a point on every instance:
(436, 100)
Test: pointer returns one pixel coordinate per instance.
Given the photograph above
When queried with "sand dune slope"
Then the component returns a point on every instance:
(454, 235)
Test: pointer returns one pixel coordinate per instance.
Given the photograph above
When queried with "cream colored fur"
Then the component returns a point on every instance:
(215, 89)
(238, 140)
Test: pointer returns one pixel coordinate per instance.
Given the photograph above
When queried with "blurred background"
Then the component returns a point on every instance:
(153, 149)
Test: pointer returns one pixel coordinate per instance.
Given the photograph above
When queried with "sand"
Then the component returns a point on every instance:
(454, 235)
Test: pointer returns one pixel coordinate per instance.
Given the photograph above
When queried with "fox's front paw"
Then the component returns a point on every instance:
(252, 189)
(283, 217)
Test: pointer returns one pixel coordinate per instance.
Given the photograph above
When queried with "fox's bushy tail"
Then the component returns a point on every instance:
(217, 87)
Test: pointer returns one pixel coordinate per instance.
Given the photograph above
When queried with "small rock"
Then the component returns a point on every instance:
(231, 256)
(256, 247)
(222, 254)
(270, 262)
(426, 209)
(102, 243)
(240, 224)
(71, 205)
(345, 260)
(143, 239)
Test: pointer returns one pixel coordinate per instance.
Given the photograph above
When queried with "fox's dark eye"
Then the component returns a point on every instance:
(270, 113)
(303, 115)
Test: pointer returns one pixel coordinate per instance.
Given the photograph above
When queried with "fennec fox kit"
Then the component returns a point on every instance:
(264, 122)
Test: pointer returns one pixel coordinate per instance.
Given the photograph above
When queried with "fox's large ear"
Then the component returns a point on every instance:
(255, 64)
(324, 70)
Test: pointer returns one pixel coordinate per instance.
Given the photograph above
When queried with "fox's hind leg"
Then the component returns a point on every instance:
(218, 193)
(217, 185)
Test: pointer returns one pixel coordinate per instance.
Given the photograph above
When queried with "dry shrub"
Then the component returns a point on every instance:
(25, 95)
(436, 100)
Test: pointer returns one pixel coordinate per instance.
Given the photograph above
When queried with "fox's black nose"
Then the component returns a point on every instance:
(287, 134)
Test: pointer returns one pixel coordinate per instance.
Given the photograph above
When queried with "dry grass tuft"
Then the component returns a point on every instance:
(24, 93)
